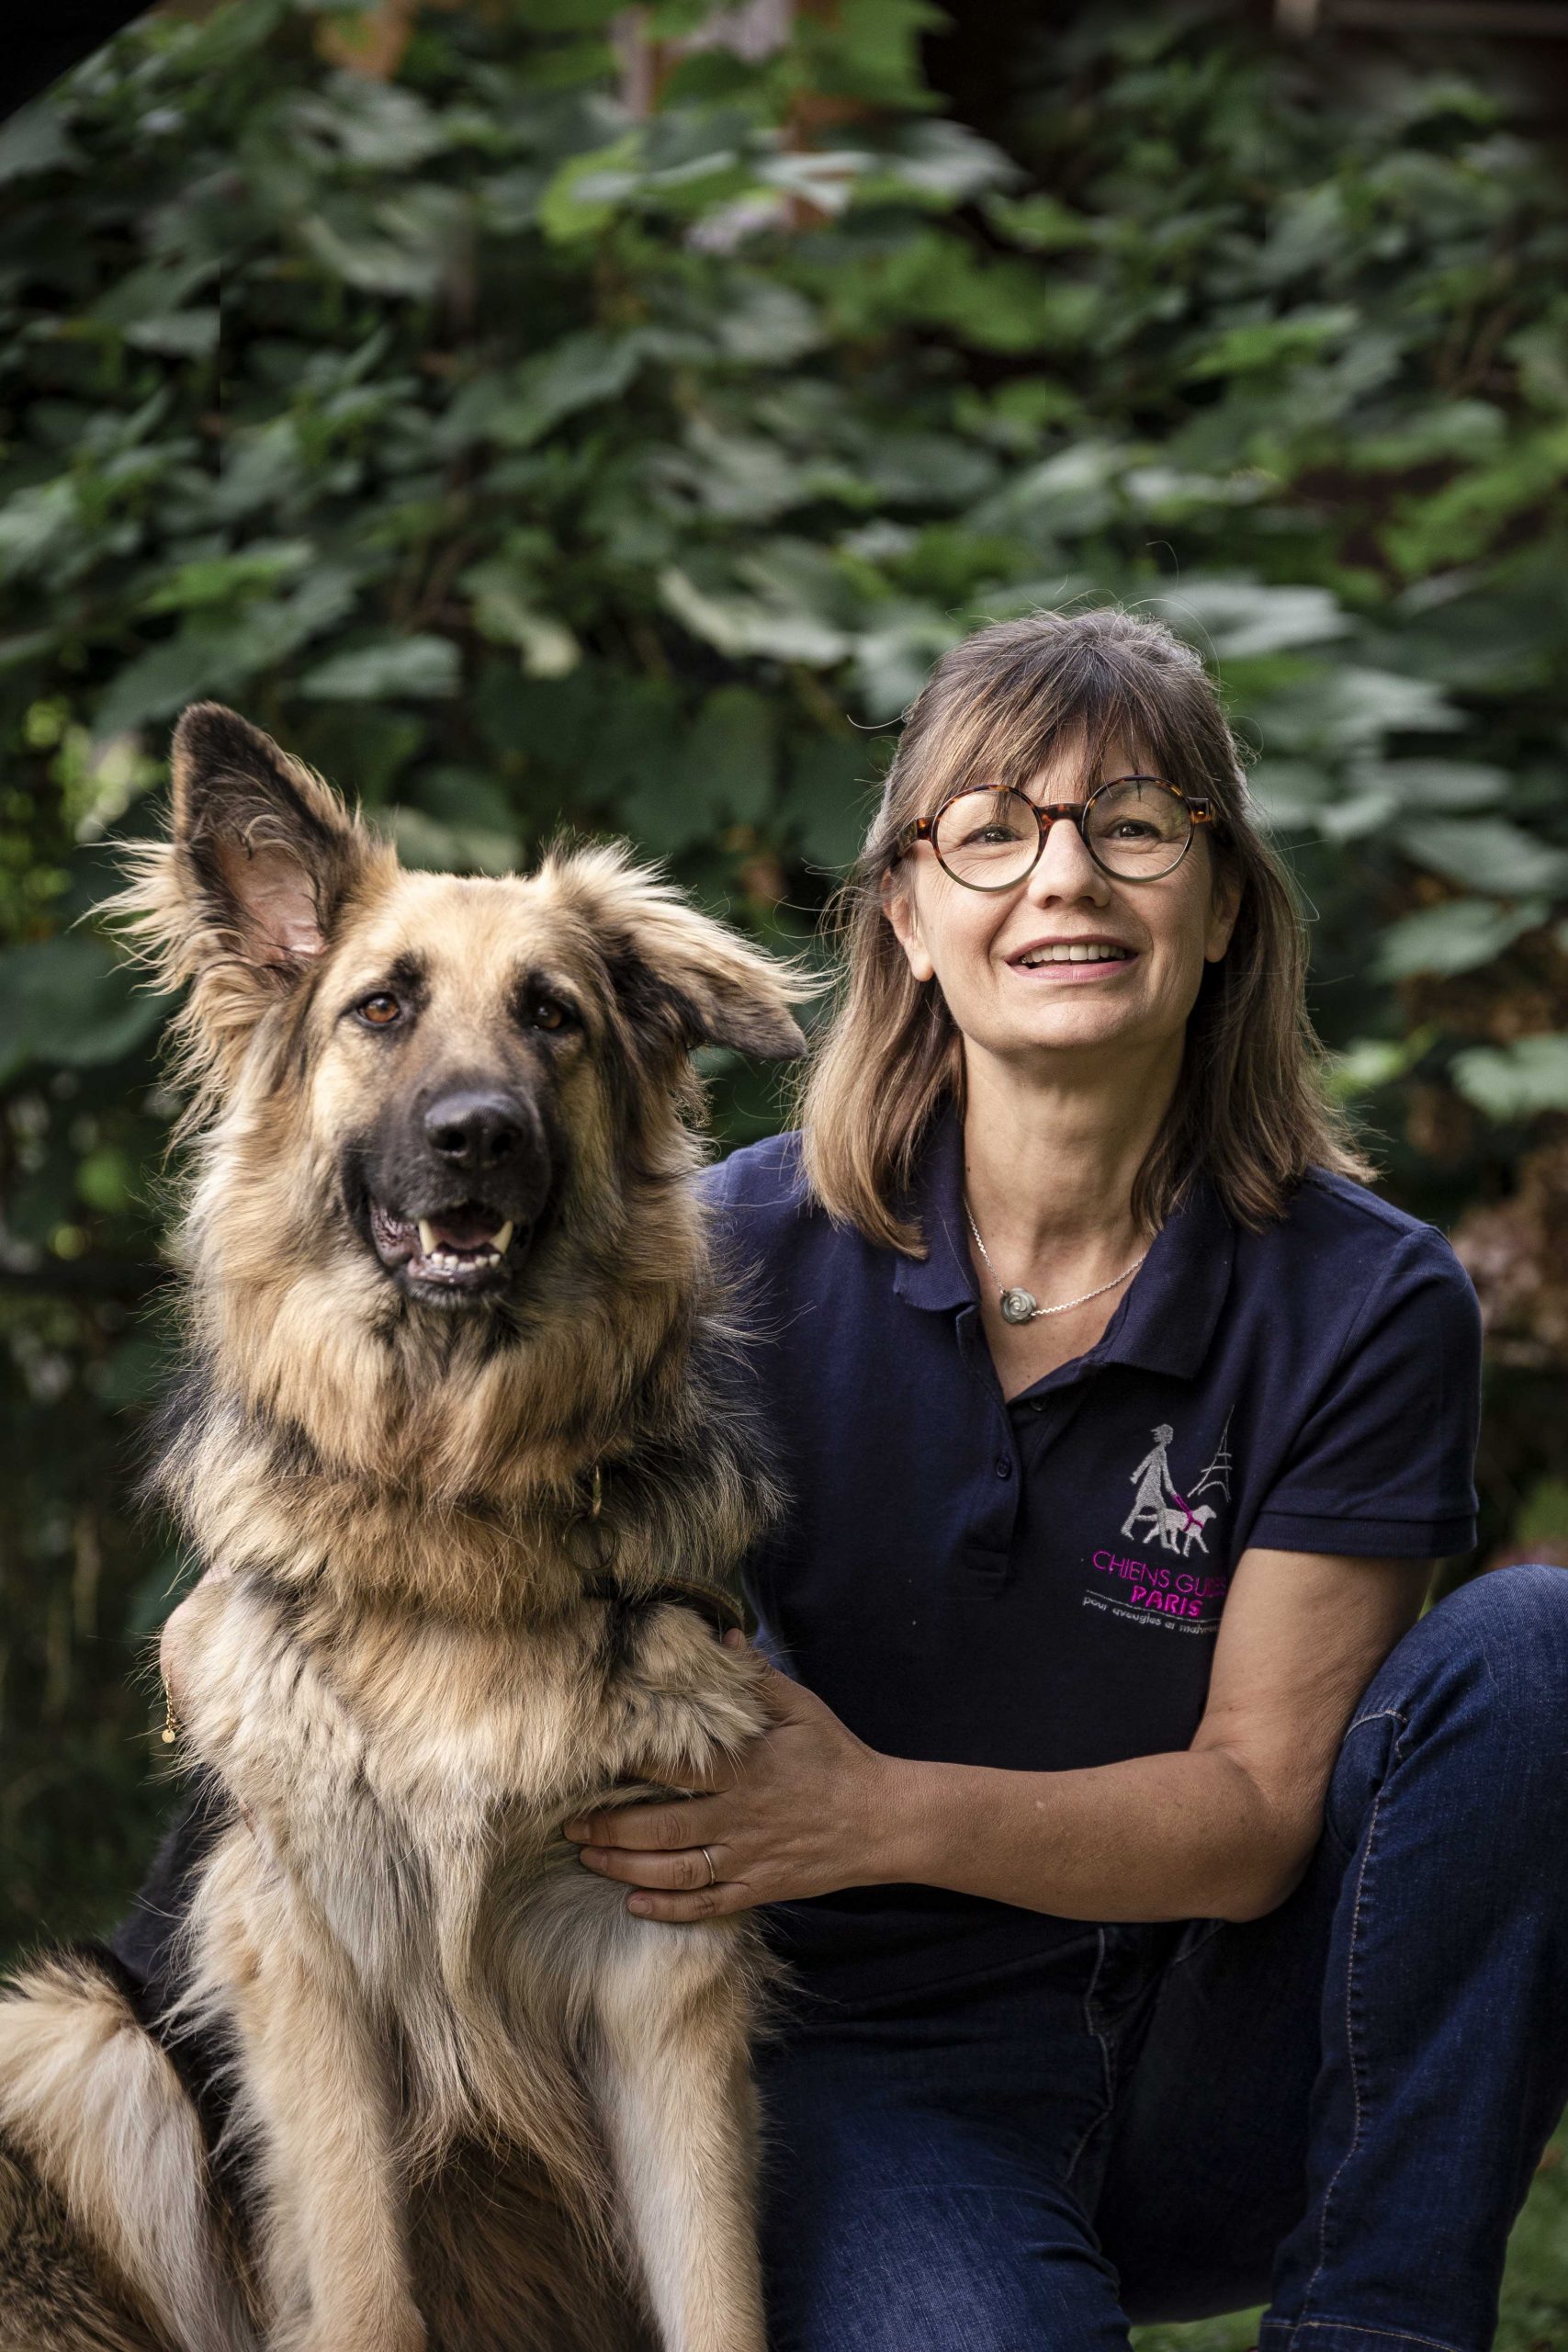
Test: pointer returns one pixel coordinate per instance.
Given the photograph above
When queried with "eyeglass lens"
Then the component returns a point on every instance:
(1136, 829)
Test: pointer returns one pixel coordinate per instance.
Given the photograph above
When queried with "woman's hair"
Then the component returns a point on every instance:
(1249, 1107)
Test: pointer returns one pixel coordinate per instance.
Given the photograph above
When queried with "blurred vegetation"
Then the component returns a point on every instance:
(517, 460)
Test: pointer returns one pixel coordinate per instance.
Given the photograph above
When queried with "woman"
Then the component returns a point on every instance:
(1176, 1921)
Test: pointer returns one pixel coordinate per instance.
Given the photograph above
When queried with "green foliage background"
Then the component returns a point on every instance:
(516, 461)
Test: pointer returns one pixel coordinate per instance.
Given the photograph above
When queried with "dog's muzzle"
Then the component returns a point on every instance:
(454, 1203)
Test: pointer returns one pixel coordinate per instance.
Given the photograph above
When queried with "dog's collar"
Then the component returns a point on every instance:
(722, 1611)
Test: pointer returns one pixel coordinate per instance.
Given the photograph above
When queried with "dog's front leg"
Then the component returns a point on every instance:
(675, 2006)
(335, 2244)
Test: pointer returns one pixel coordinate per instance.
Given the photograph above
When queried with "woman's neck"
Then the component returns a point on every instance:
(1051, 1152)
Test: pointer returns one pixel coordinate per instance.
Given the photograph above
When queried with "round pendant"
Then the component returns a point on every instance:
(1018, 1306)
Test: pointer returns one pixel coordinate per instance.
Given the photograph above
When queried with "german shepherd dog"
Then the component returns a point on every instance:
(461, 1455)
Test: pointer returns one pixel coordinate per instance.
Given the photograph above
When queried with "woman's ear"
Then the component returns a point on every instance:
(1225, 892)
(898, 906)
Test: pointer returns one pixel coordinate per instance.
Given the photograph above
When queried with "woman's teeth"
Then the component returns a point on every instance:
(1082, 951)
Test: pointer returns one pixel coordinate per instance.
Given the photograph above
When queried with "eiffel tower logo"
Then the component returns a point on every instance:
(1218, 1472)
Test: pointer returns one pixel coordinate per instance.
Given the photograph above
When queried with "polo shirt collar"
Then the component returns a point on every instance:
(1167, 1319)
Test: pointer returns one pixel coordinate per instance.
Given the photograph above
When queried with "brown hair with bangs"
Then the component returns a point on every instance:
(1250, 1107)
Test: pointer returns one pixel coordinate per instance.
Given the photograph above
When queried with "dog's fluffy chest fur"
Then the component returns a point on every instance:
(402, 1784)
(433, 1737)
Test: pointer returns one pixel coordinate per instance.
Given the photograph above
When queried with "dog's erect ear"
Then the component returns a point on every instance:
(241, 898)
(682, 979)
(267, 851)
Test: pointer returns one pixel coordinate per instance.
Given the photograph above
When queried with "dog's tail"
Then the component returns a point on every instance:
(96, 2131)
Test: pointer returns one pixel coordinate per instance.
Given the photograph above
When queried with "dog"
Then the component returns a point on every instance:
(462, 1451)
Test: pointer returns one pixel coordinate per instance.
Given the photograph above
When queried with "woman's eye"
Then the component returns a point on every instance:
(380, 1011)
(545, 1013)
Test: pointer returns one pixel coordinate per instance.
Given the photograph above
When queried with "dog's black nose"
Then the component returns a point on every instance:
(476, 1132)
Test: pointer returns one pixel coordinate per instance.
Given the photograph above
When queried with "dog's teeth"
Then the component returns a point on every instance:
(502, 1241)
(426, 1237)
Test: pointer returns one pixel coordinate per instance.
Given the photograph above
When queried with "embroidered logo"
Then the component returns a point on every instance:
(1187, 1598)
(1160, 1512)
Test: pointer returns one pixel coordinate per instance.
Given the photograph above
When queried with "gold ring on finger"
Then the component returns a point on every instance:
(713, 1874)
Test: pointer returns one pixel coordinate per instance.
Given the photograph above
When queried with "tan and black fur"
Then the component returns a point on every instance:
(447, 1517)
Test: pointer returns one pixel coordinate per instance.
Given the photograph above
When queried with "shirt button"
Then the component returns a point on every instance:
(1004, 1467)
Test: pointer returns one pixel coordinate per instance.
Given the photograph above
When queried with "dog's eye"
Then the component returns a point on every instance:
(547, 1012)
(380, 1011)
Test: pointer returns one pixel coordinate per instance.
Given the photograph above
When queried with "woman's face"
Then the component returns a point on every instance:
(988, 951)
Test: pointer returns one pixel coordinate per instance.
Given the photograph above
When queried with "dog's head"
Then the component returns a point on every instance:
(420, 1080)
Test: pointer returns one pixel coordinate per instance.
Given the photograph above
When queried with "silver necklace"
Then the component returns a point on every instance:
(1020, 1306)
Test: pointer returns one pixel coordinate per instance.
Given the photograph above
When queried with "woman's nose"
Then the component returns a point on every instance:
(1064, 868)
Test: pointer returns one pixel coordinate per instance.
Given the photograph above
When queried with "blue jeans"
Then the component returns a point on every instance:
(1335, 2108)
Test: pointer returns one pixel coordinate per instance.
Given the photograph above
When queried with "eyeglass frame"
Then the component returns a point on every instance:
(1199, 808)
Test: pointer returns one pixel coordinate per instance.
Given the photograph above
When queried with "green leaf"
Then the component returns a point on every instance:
(70, 1000)
(1433, 786)
(1040, 222)
(832, 791)
(218, 578)
(1459, 936)
(580, 199)
(1265, 345)
(428, 842)
(768, 325)
(736, 624)
(1485, 854)
(1461, 521)
(217, 652)
(732, 747)
(1350, 708)
(420, 667)
(579, 373)
(36, 525)
(208, 657)
(1373, 1062)
(505, 612)
(1510, 1082)
(35, 140)
(1236, 618)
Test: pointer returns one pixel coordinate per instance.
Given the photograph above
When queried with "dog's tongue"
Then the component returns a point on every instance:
(468, 1227)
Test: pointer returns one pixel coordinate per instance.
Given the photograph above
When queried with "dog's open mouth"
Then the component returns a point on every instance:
(459, 1249)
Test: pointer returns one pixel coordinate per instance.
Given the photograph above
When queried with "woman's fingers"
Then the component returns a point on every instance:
(678, 1887)
(685, 1873)
(711, 1903)
(647, 1828)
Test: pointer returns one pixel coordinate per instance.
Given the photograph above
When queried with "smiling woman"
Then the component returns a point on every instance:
(1134, 1843)
(1019, 710)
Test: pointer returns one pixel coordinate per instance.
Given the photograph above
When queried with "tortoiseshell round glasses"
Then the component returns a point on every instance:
(1134, 827)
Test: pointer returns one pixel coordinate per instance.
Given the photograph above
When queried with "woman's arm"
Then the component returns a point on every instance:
(1222, 1830)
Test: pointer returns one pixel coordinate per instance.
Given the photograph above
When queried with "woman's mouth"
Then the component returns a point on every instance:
(1074, 959)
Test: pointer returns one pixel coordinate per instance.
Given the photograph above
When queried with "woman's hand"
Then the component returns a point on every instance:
(802, 1811)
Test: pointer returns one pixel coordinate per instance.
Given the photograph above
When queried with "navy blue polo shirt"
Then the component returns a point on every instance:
(1037, 1584)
